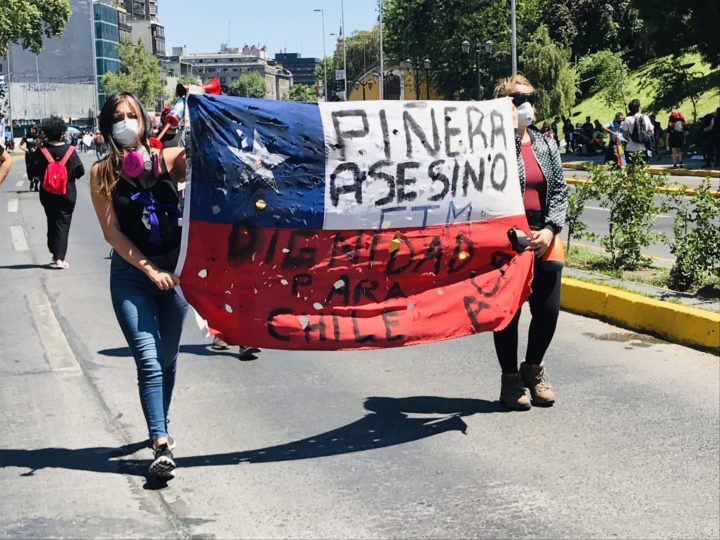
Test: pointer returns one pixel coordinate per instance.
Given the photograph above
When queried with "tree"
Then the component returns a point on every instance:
(248, 85)
(362, 54)
(139, 74)
(27, 21)
(608, 74)
(419, 29)
(301, 92)
(328, 63)
(588, 26)
(672, 26)
(548, 68)
(674, 82)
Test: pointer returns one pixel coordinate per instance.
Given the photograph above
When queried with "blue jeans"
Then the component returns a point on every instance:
(151, 321)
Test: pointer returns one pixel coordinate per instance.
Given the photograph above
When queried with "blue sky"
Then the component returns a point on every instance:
(278, 24)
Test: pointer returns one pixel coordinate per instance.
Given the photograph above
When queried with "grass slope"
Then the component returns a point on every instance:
(593, 105)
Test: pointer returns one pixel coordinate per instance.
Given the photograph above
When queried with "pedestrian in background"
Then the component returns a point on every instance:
(675, 137)
(99, 143)
(59, 207)
(568, 133)
(134, 192)
(637, 139)
(545, 199)
(29, 144)
(5, 164)
(555, 127)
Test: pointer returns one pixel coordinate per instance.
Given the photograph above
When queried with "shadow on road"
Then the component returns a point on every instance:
(198, 349)
(388, 422)
(25, 266)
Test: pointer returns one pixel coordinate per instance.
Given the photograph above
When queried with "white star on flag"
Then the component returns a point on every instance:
(258, 163)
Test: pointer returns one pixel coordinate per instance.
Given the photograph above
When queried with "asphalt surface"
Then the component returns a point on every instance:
(407, 443)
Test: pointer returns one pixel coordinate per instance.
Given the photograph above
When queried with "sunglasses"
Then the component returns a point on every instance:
(519, 98)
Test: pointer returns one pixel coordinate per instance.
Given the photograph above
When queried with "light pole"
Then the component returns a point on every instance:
(409, 64)
(427, 65)
(322, 14)
(344, 33)
(513, 37)
(488, 45)
(363, 83)
(382, 76)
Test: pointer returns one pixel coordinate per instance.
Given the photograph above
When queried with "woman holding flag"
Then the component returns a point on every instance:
(545, 200)
(134, 192)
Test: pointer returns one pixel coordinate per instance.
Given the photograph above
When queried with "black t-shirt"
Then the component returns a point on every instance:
(73, 165)
(135, 215)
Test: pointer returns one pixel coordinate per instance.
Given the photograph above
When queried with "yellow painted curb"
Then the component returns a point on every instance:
(674, 322)
(690, 192)
(713, 173)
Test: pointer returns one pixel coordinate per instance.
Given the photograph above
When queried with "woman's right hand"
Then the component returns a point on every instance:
(163, 280)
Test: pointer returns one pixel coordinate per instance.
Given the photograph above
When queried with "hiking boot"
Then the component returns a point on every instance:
(512, 392)
(535, 378)
(163, 466)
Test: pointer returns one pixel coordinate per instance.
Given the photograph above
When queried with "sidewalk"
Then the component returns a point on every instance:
(693, 167)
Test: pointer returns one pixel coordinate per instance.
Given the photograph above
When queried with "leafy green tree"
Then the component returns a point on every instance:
(363, 49)
(419, 29)
(27, 21)
(588, 26)
(248, 85)
(608, 75)
(329, 63)
(576, 228)
(301, 92)
(548, 68)
(673, 81)
(139, 74)
(671, 26)
(188, 80)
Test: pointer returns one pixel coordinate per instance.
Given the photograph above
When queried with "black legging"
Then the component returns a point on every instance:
(544, 307)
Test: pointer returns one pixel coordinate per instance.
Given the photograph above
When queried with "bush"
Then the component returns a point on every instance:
(628, 194)
(696, 242)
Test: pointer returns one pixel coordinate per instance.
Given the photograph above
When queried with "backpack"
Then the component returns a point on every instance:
(639, 135)
(56, 176)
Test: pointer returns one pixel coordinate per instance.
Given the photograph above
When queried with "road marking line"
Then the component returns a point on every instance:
(12, 206)
(19, 183)
(58, 353)
(18, 238)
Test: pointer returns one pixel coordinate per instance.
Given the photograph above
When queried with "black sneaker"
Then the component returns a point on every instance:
(245, 349)
(163, 466)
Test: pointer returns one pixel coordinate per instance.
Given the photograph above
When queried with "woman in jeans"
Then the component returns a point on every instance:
(134, 192)
(545, 200)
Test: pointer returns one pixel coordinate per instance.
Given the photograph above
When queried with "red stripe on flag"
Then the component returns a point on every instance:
(321, 290)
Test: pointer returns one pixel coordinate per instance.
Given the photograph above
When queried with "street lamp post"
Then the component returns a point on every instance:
(427, 65)
(322, 14)
(487, 45)
(363, 83)
(416, 67)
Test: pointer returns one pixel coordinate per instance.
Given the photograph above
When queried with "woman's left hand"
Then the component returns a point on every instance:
(541, 241)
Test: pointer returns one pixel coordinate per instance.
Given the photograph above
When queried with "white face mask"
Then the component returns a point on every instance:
(525, 114)
(125, 132)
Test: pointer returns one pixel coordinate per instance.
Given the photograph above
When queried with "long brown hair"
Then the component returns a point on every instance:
(107, 170)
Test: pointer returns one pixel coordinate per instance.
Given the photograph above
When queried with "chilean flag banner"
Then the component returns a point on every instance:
(351, 225)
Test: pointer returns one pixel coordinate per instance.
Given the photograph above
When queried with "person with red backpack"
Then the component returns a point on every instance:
(58, 167)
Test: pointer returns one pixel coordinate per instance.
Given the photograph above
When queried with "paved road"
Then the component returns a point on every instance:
(406, 443)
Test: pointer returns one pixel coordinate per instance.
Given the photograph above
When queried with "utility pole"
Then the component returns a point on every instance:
(513, 37)
(342, 17)
(322, 13)
(382, 74)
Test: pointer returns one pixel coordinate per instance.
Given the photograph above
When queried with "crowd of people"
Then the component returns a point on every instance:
(592, 137)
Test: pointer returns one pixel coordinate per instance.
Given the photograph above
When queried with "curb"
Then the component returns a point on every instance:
(676, 323)
(690, 192)
(582, 165)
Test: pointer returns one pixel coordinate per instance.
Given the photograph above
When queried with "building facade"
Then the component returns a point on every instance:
(107, 36)
(231, 62)
(61, 80)
(302, 69)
